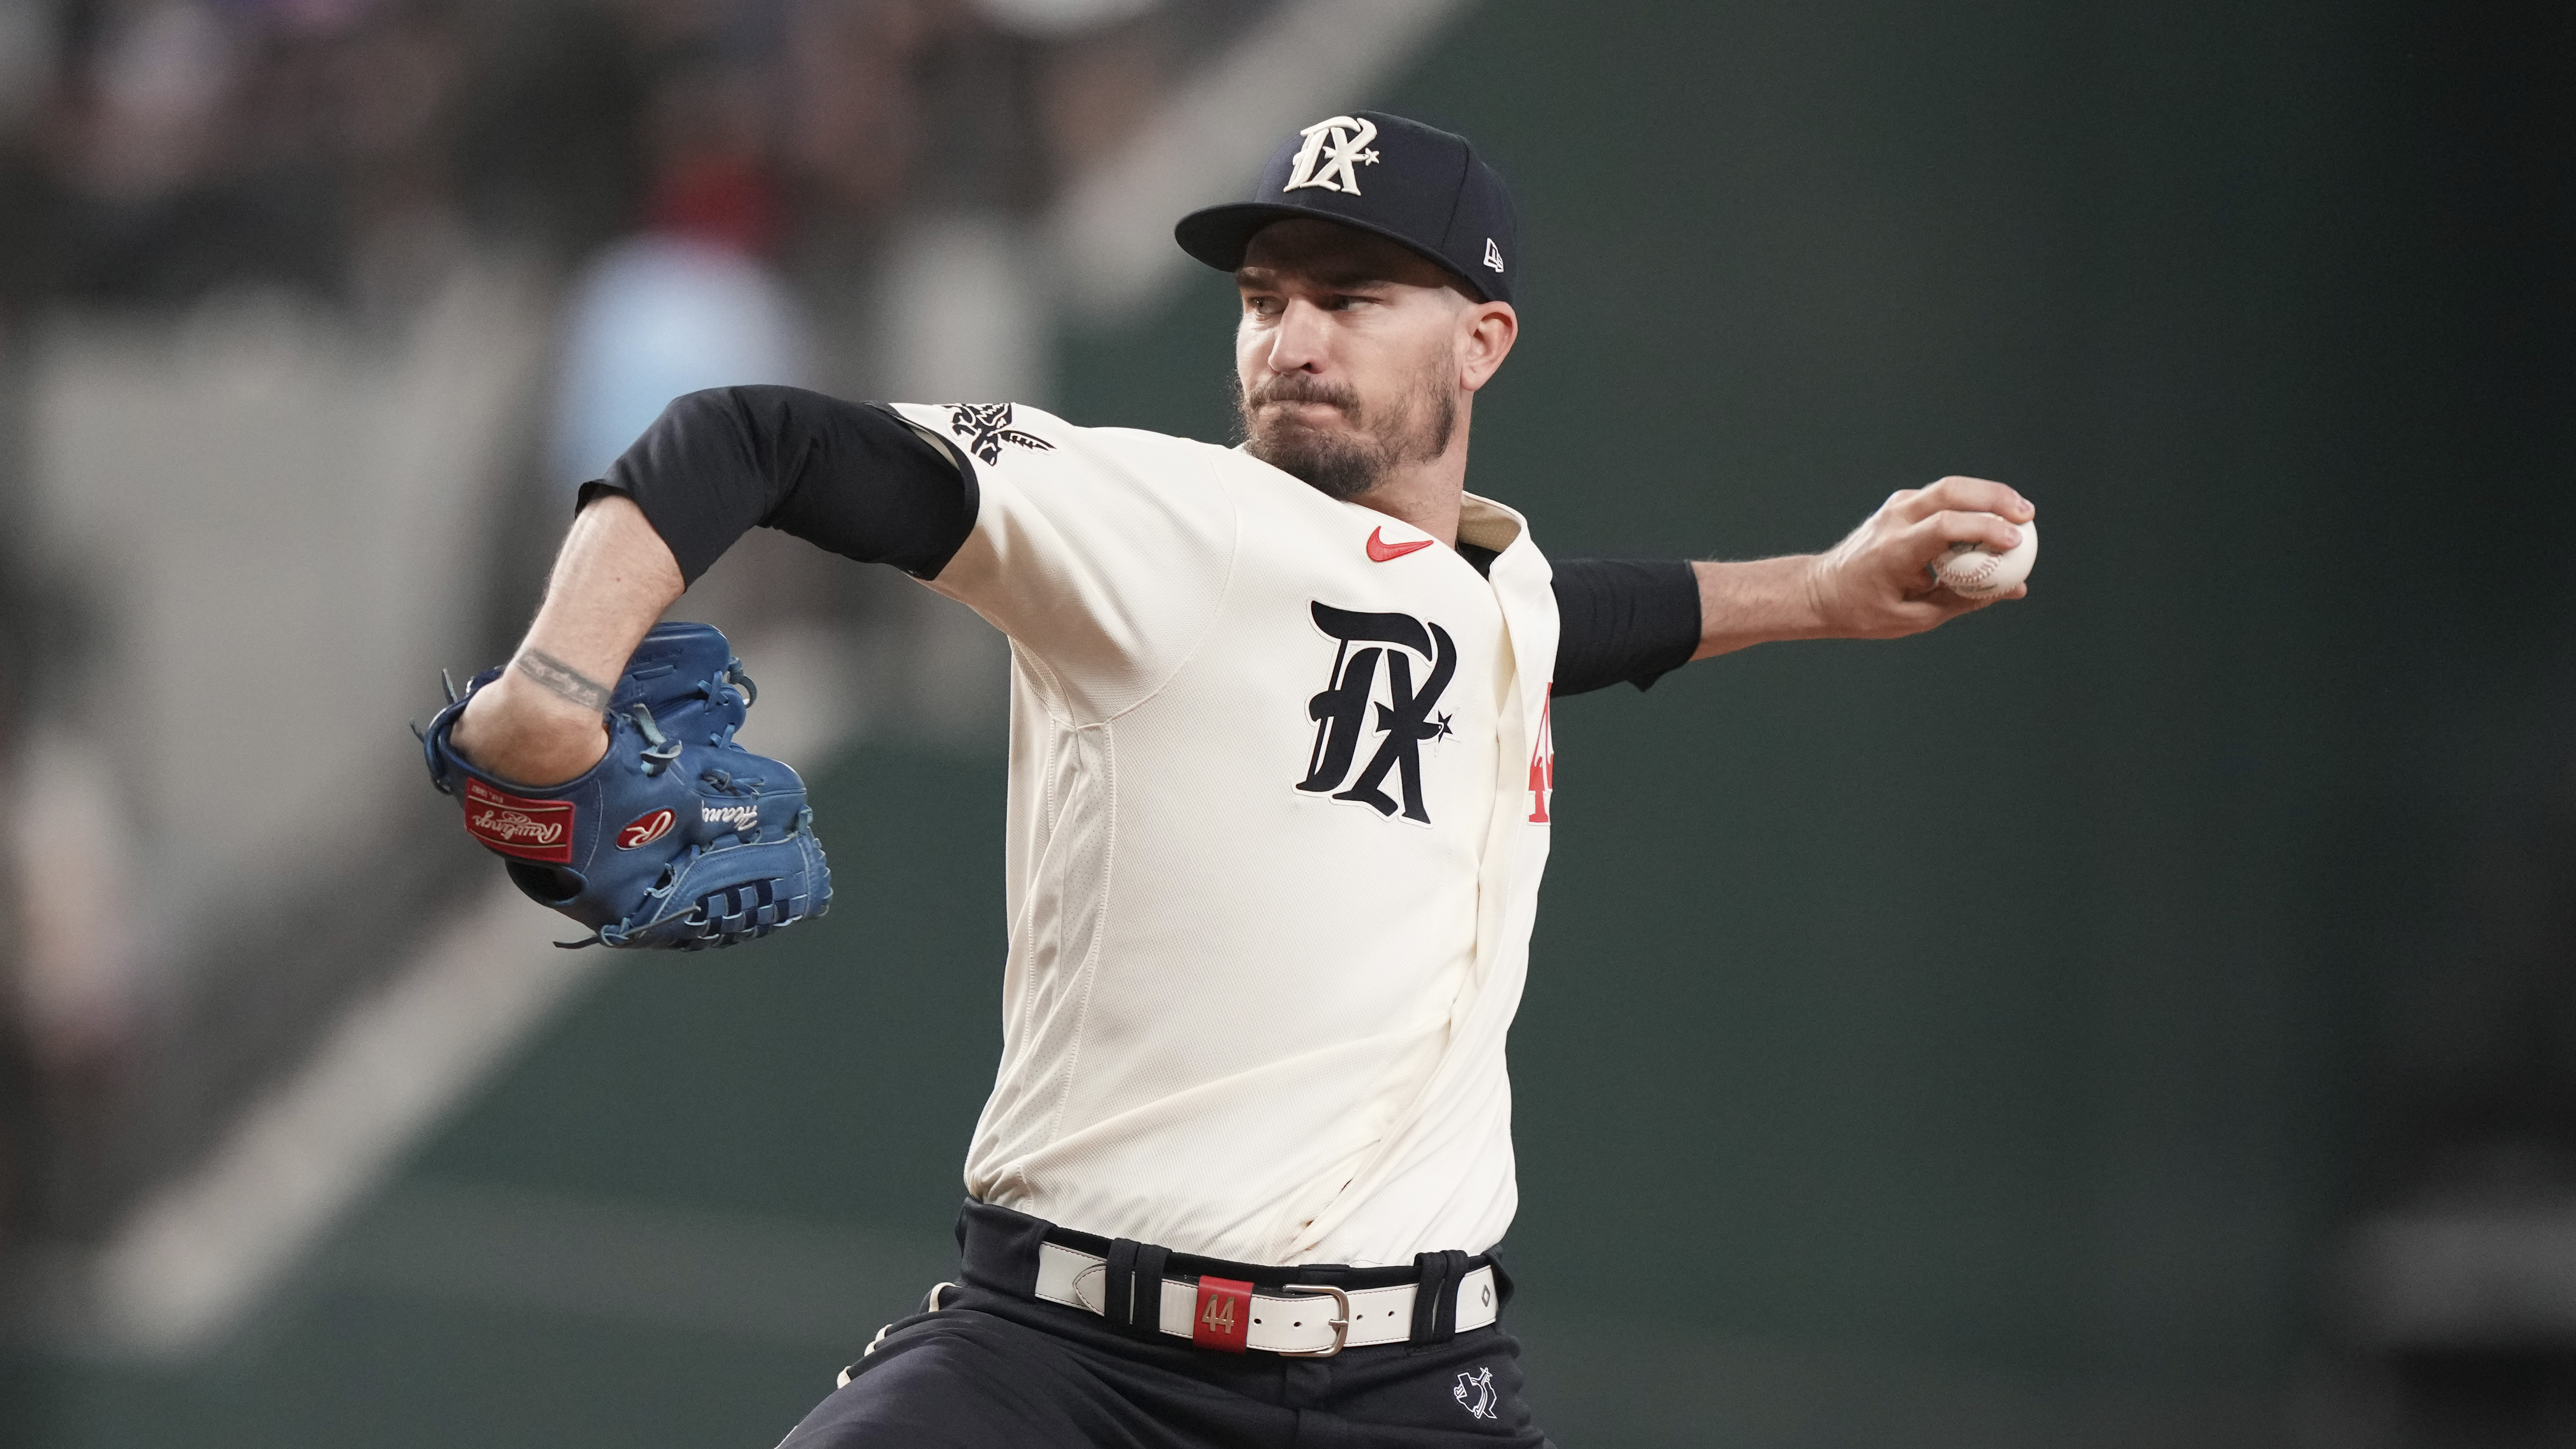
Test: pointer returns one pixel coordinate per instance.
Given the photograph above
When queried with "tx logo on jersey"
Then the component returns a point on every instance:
(1333, 147)
(1475, 1393)
(1347, 711)
(987, 426)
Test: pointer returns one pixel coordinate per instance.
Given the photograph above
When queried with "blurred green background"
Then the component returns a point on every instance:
(1971, 1040)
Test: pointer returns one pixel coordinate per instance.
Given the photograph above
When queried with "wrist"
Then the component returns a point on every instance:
(1818, 596)
(528, 735)
(1762, 601)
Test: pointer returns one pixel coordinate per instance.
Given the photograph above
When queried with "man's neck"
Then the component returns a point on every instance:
(1429, 494)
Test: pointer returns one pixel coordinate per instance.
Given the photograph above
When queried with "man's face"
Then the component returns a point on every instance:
(1346, 357)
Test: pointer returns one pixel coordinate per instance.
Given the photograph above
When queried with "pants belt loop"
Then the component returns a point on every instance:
(1132, 1295)
(1435, 1300)
(1151, 1263)
(1118, 1290)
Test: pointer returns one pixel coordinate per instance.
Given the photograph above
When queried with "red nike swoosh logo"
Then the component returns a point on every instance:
(1380, 551)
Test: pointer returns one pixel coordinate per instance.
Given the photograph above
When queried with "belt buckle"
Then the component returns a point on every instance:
(1341, 1323)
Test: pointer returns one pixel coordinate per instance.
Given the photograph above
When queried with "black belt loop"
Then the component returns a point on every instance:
(1150, 1263)
(1132, 1296)
(1435, 1299)
(1118, 1292)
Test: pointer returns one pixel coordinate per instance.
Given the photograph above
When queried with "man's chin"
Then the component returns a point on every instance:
(1336, 465)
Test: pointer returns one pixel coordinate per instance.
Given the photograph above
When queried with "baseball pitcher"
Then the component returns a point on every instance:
(1280, 787)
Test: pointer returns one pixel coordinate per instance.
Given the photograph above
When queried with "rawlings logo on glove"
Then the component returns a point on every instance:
(644, 829)
(528, 829)
(718, 846)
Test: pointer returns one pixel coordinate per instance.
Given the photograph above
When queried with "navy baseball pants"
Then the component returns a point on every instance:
(995, 1370)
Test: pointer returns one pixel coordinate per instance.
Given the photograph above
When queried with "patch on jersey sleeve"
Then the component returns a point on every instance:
(987, 426)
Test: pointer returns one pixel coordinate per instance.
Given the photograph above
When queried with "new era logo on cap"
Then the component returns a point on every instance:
(1403, 180)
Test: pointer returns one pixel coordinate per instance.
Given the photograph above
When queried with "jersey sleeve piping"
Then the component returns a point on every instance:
(1043, 677)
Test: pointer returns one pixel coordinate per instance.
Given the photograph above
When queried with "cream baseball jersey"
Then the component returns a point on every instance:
(1278, 812)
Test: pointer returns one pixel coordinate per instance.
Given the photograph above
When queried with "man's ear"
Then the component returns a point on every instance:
(1486, 331)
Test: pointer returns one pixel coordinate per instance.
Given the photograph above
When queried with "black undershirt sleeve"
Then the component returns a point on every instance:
(854, 478)
(1623, 619)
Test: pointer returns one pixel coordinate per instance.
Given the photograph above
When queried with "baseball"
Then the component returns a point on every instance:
(1973, 573)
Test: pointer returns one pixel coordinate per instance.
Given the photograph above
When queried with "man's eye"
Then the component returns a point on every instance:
(1263, 306)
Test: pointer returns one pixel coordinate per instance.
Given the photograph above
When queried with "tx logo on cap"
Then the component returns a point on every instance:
(1348, 138)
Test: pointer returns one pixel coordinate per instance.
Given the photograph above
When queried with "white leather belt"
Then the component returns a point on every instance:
(1302, 1320)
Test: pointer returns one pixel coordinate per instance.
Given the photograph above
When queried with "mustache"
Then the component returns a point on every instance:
(1299, 387)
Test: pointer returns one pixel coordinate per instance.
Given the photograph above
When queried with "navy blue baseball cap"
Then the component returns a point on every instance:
(1403, 180)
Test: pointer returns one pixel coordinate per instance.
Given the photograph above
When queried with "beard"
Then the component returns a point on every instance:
(1345, 463)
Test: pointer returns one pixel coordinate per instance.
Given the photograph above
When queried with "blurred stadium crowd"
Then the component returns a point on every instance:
(354, 147)
(383, 275)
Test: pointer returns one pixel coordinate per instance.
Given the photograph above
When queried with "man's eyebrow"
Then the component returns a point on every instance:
(1329, 278)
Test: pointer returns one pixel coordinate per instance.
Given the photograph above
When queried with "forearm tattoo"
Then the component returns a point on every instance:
(563, 679)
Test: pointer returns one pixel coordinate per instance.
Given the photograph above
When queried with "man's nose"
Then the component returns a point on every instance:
(1297, 344)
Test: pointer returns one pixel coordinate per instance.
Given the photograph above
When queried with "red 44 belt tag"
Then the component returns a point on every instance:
(1224, 1314)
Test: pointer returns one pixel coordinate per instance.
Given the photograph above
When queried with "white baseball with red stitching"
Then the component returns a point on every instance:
(1973, 573)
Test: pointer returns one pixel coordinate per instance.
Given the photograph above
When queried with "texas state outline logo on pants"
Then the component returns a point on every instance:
(1475, 1393)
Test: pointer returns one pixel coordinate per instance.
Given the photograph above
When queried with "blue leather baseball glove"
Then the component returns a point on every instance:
(678, 839)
